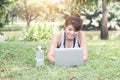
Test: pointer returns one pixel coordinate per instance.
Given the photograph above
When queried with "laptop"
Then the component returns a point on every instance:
(69, 57)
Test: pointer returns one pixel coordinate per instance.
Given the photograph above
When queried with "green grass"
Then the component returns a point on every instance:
(17, 62)
(12, 27)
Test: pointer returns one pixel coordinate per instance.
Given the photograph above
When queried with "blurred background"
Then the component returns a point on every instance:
(35, 20)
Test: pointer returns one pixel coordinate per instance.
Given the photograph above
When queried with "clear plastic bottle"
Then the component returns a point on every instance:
(39, 57)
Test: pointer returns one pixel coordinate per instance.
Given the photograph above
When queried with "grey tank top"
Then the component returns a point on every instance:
(62, 45)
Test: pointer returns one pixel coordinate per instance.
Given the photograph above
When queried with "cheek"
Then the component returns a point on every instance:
(67, 31)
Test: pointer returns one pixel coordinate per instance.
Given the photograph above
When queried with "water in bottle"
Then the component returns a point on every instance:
(39, 57)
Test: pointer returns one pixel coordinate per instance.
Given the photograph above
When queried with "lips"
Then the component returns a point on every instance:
(71, 36)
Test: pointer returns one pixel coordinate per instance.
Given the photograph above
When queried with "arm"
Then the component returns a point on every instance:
(84, 46)
(53, 45)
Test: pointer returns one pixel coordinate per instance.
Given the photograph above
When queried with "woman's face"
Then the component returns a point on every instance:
(70, 32)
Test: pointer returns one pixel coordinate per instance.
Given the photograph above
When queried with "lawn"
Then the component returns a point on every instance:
(17, 62)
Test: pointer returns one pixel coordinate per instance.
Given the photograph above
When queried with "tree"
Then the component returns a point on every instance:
(30, 10)
(104, 29)
(27, 10)
(5, 8)
(3, 4)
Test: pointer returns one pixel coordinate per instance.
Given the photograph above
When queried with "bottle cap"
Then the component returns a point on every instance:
(39, 47)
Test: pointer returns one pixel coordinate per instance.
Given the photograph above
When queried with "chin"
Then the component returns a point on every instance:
(71, 38)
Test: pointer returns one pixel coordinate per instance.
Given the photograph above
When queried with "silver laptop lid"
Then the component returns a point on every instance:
(68, 56)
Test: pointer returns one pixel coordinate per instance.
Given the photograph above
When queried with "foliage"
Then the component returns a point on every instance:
(113, 15)
(40, 32)
(17, 62)
(4, 11)
(30, 10)
(77, 5)
(27, 11)
(92, 18)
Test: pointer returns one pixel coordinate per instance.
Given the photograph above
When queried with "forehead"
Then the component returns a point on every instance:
(69, 26)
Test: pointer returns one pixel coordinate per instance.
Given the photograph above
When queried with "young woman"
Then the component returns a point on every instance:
(70, 37)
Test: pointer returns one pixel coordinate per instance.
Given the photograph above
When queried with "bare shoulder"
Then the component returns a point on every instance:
(57, 37)
(81, 37)
(57, 34)
(55, 40)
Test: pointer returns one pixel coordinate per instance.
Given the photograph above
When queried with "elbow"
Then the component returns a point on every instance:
(85, 58)
(50, 58)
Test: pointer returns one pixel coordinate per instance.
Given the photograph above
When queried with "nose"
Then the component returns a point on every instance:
(72, 32)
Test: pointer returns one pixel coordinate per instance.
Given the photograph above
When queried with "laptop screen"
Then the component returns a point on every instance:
(68, 56)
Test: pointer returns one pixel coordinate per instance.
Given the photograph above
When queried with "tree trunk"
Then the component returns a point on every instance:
(104, 29)
(28, 24)
(7, 18)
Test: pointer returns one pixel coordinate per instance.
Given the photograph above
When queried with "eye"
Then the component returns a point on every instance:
(70, 29)
(76, 31)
